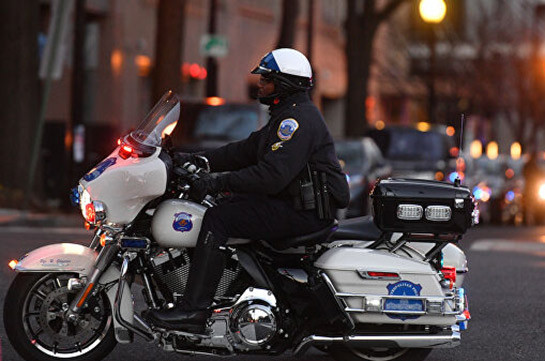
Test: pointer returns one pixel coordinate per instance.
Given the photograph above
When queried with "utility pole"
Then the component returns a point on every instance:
(78, 95)
(168, 47)
(310, 36)
(310, 29)
(211, 62)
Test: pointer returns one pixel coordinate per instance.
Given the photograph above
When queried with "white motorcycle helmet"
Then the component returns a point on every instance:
(290, 71)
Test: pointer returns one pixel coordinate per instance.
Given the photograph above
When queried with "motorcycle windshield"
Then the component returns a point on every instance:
(159, 122)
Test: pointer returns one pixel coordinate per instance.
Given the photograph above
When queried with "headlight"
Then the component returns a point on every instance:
(93, 211)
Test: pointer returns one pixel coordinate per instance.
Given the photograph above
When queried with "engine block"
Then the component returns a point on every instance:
(172, 268)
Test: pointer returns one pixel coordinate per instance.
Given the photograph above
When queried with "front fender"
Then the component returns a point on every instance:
(59, 257)
(70, 257)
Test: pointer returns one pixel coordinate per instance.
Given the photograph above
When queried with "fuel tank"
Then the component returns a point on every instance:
(176, 223)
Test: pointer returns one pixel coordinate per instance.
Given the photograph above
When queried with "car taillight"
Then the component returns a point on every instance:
(90, 215)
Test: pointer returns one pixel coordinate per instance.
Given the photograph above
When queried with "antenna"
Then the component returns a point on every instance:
(462, 118)
(457, 181)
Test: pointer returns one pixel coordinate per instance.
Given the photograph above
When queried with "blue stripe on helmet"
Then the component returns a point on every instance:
(269, 62)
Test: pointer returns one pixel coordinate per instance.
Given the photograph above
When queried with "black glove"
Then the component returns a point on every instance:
(180, 158)
(206, 184)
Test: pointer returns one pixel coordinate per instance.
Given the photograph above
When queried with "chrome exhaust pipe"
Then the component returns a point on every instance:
(442, 340)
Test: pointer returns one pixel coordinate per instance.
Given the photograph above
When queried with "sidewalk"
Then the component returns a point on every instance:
(16, 217)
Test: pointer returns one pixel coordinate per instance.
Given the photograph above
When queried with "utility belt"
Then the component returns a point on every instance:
(313, 193)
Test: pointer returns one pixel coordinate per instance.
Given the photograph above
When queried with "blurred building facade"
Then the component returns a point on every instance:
(119, 57)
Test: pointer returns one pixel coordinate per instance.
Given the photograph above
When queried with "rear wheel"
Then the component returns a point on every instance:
(35, 322)
(346, 353)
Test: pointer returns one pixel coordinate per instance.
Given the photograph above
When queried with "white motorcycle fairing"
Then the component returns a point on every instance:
(70, 257)
(125, 186)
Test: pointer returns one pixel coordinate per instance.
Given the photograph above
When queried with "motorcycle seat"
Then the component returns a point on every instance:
(309, 239)
(360, 228)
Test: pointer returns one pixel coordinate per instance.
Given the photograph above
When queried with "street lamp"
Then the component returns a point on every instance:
(432, 12)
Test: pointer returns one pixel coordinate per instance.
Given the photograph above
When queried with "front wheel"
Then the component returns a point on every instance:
(346, 353)
(34, 319)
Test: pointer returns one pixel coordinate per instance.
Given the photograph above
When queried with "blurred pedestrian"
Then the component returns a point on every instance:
(532, 177)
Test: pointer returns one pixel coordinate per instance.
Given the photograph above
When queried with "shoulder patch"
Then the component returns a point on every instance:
(287, 128)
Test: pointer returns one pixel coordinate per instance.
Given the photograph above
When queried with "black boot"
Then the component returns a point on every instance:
(204, 275)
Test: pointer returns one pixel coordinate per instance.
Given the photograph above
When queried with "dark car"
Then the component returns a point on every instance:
(363, 164)
(417, 154)
(205, 126)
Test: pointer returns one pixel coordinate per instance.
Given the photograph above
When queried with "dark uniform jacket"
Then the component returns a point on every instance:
(271, 160)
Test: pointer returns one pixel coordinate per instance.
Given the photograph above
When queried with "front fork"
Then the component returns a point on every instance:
(105, 258)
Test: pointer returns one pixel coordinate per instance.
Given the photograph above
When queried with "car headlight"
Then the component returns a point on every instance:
(542, 191)
(93, 211)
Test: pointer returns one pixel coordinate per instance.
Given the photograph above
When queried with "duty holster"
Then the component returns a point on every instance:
(313, 193)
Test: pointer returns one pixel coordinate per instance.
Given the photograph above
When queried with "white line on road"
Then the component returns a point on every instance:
(46, 230)
(508, 246)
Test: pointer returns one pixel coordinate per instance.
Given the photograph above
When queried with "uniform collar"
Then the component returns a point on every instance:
(291, 100)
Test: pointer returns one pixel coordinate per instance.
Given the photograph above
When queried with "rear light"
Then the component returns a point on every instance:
(409, 212)
(13, 263)
(438, 213)
(383, 274)
(215, 101)
(379, 275)
(449, 273)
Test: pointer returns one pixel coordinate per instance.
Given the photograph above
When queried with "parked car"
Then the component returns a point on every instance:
(211, 124)
(363, 164)
(534, 189)
(416, 154)
(497, 184)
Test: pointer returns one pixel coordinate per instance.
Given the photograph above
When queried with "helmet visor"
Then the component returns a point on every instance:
(261, 70)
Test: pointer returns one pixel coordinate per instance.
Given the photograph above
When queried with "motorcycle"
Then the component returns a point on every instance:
(354, 290)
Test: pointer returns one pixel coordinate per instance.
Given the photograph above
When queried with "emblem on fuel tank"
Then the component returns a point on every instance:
(182, 222)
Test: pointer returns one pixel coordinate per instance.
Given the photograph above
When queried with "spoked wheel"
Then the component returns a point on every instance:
(35, 322)
(346, 353)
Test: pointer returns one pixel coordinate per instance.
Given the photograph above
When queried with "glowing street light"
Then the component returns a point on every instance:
(476, 149)
(516, 150)
(432, 11)
(492, 150)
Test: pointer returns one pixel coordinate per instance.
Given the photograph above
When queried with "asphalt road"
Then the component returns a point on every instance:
(505, 288)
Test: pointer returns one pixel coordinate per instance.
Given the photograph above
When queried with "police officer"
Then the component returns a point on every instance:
(270, 172)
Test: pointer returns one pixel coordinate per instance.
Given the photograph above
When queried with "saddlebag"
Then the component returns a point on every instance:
(379, 287)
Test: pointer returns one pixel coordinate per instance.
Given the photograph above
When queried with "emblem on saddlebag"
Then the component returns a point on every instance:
(401, 305)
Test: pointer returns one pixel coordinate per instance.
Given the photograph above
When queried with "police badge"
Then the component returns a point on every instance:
(287, 128)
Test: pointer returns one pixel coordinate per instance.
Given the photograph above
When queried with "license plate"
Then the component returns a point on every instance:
(403, 305)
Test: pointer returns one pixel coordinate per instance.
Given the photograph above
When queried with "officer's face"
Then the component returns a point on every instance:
(265, 87)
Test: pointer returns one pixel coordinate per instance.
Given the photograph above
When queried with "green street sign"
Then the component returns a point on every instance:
(215, 46)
